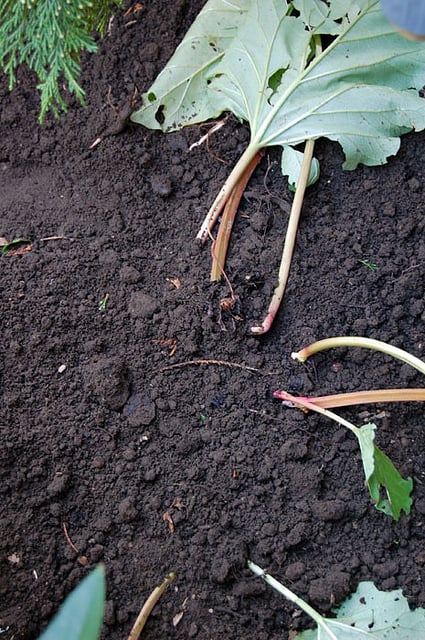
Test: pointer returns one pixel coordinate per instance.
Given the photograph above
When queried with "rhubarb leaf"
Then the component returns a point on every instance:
(386, 614)
(397, 489)
(291, 166)
(257, 60)
(380, 473)
(375, 614)
(179, 95)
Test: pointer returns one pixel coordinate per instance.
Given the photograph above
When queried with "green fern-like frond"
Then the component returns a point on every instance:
(49, 36)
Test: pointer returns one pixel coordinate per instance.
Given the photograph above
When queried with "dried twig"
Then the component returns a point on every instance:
(54, 238)
(148, 606)
(222, 363)
(68, 539)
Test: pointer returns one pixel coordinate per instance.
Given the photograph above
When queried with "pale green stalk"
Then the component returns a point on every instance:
(287, 593)
(367, 343)
(288, 247)
(225, 192)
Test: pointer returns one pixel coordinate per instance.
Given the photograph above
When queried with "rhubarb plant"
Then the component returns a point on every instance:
(388, 490)
(368, 614)
(295, 71)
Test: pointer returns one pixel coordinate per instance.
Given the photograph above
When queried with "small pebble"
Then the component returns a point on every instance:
(161, 186)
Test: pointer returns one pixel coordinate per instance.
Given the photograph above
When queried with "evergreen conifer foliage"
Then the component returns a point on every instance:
(49, 36)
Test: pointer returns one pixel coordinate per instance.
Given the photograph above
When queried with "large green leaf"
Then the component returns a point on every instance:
(80, 617)
(374, 615)
(178, 96)
(339, 630)
(386, 614)
(254, 58)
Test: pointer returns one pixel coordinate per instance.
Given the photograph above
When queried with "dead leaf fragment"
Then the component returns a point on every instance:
(168, 515)
(177, 618)
(14, 558)
(177, 504)
(167, 342)
(135, 8)
(19, 252)
(167, 518)
(176, 282)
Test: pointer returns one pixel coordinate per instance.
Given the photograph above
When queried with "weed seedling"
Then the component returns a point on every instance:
(370, 265)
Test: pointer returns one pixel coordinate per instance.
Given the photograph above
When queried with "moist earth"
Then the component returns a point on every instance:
(137, 413)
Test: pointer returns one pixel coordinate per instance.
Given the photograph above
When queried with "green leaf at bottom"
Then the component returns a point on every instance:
(80, 617)
(373, 615)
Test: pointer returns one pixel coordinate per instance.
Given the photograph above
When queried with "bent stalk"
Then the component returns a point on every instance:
(309, 405)
(289, 244)
(148, 606)
(354, 341)
(292, 597)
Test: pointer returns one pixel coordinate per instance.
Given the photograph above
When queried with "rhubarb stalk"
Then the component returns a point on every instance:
(225, 192)
(354, 341)
(289, 244)
(357, 397)
(221, 243)
(292, 597)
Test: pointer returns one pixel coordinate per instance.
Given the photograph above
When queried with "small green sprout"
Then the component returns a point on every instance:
(370, 265)
(104, 302)
(14, 245)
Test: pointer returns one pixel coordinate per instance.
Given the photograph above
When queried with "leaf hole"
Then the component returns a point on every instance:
(159, 115)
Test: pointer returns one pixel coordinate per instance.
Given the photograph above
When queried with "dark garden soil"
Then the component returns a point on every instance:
(97, 434)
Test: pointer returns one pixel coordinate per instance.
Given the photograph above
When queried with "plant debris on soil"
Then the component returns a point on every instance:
(101, 436)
